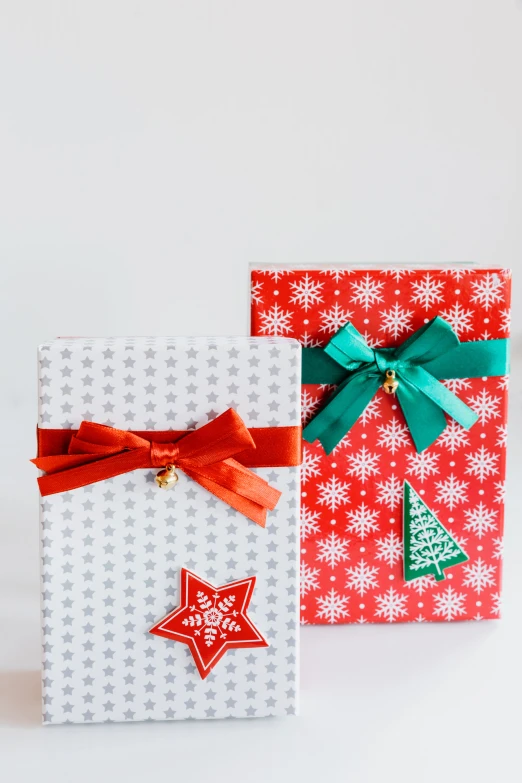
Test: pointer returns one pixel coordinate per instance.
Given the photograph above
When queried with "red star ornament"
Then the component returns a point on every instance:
(211, 620)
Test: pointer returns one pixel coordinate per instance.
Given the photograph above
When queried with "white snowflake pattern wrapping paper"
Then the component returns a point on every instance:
(112, 551)
(352, 568)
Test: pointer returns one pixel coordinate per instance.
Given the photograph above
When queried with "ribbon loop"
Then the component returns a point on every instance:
(433, 339)
(433, 352)
(94, 438)
(349, 348)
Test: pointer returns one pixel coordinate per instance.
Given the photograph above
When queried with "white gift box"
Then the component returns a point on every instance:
(112, 551)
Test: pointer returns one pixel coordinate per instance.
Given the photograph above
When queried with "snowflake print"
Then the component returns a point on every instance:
(499, 548)
(309, 405)
(362, 577)
(390, 492)
(449, 604)
(333, 493)
(427, 291)
(307, 341)
(372, 340)
(310, 465)
(275, 274)
(334, 318)
(422, 465)
(458, 272)
(332, 550)
(497, 603)
(482, 464)
(500, 486)
(398, 272)
(456, 385)
(367, 292)
(332, 607)
(372, 411)
(460, 319)
(389, 548)
(308, 579)
(363, 464)
(306, 292)
(255, 292)
(396, 320)
(488, 290)
(480, 520)
(422, 583)
(213, 617)
(362, 521)
(326, 387)
(393, 436)
(485, 405)
(310, 522)
(461, 541)
(337, 274)
(451, 492)
(391, 605)
(502, 435)
(342, 444)
(505, 318)
(479, 575)
(453, 438)
(275, 321)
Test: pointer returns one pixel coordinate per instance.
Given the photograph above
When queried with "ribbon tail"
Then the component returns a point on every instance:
(425, 420)
(91, 472)
(342, 410)
(442, 396)
(424, 412)
(216, 441)
(237, 486)
(59, 462)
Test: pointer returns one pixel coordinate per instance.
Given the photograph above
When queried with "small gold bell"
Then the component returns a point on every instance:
(390, 382)
(167, 477)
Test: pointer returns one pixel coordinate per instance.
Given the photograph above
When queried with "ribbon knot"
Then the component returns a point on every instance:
(98, 452)
(162, 454)
(384, 362)
(433, 352)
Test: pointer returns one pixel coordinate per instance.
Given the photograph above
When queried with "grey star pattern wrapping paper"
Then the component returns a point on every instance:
(111, 552)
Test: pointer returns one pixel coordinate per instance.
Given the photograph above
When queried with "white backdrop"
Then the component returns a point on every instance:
(148, 153)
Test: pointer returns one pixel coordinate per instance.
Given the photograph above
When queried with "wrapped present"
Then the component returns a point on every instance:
(169, 523)
(404, 399)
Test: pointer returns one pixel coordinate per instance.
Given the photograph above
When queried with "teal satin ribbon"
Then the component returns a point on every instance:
(432, 353)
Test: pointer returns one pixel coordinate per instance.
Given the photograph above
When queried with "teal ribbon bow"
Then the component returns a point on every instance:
(431, 353)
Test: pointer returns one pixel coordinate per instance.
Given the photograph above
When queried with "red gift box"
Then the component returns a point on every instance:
(351, 523)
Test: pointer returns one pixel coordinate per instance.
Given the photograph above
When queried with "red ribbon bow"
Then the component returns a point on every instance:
(98, 452)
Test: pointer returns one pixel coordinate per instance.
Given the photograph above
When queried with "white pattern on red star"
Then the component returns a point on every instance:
(211, 620)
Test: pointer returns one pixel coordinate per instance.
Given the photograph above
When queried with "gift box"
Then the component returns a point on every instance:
(404, 399)
(169, 527)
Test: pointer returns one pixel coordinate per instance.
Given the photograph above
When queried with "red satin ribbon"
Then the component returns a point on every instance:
(96, 452)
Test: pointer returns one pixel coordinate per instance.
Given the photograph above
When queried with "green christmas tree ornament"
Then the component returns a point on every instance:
(428, 546)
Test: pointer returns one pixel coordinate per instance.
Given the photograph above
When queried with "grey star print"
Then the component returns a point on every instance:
(112, 551)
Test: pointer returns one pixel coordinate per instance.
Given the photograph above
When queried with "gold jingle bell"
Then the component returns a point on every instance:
(390, 382)
(167, 477)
